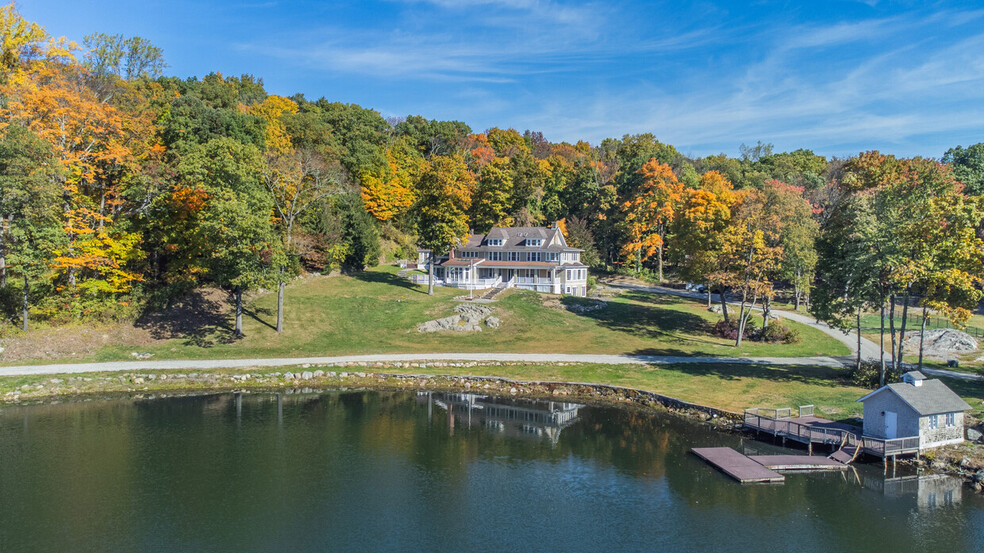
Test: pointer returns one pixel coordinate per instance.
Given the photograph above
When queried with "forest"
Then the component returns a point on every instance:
(122, 188)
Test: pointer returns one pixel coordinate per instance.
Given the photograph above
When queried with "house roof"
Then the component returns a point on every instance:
(930, 398)
(516, 237)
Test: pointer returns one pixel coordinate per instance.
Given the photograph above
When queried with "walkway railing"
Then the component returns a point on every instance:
(805, 433)
(777, 423)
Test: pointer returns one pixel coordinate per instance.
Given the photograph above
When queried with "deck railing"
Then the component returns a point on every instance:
(783, 413)
(764, 420)
(895, 446)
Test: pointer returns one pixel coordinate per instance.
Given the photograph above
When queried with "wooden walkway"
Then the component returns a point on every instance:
(809, 430)
(736, 465)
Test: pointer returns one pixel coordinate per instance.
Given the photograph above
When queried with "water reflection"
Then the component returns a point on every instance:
(930, 491)
(356, 471)
(509, 417)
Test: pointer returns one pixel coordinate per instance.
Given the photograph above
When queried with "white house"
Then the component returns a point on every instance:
(915, 407)
(534, 258)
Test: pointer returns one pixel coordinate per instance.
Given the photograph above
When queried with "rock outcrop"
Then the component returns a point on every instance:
(469, 318)
(941, 342)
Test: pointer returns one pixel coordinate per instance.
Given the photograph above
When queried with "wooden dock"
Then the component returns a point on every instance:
(736, 465)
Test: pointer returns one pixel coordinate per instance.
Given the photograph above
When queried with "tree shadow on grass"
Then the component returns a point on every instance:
(377, 277)
(816, 375)
(647, 321)
(255, 313)
(201, 317)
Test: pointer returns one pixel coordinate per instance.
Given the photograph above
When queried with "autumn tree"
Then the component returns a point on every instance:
(650, 211)
(699, 229)
(444, 196)
(389, 192)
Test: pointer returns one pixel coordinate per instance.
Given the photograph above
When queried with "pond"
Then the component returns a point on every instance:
(404, 471)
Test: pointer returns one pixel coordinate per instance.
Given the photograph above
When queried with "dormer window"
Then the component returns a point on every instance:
(534, 242)
(495, 241)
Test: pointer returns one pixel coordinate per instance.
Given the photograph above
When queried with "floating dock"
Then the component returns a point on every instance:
(736, 465)
(762, 468)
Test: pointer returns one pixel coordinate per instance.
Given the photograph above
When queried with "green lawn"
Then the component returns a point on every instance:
(726, 386)
(378, 312)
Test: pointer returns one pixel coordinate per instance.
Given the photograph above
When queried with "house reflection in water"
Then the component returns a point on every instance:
(514, 418)
(930, 491)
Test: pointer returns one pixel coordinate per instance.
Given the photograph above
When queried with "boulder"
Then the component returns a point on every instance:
(974, 435)
(493, 322)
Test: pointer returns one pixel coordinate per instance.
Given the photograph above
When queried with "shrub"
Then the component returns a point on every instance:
(867, 376)
(729, 329)
(777, 333)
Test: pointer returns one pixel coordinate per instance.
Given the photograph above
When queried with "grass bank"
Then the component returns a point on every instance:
(378, 312)
(722, 386)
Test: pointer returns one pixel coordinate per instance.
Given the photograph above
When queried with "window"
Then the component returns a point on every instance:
(535, 256)
(949, 419)
(514, 256)
(934, 422)
(552, 256)
(495, 241)
(469, 255)
(495, 256)
(536, 242)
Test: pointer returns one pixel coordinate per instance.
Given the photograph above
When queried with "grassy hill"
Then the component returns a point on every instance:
(378, 312)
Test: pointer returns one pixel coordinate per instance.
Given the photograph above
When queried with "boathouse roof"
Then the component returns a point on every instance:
(930, 398)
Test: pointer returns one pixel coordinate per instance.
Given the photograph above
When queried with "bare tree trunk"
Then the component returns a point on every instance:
(280, 302)
(239, 311)
(430, 271)
(922, 336)
(638, 261)
(708, 287)
(660, 262)
(859, 339)
(799, 290)
(3, 255)
(891, 326)
(26, 290)
(766, 310)
(724, 303)
(881, 351)
(905, 318)
(741, 318)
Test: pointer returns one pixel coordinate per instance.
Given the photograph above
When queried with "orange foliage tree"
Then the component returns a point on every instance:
(649, 211)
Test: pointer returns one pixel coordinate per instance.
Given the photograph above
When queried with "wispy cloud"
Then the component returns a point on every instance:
(703, 83)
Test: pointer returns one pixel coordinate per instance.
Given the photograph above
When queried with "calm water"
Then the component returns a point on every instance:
(355, 471)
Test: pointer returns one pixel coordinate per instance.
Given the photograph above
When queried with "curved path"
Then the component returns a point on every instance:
(869, 350)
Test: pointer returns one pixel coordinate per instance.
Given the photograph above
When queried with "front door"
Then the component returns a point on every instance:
(891, 425)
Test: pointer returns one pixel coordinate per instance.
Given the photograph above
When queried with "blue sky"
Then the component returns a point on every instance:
(834, 76)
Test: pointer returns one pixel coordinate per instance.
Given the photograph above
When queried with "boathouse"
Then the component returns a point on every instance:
(916, 407)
